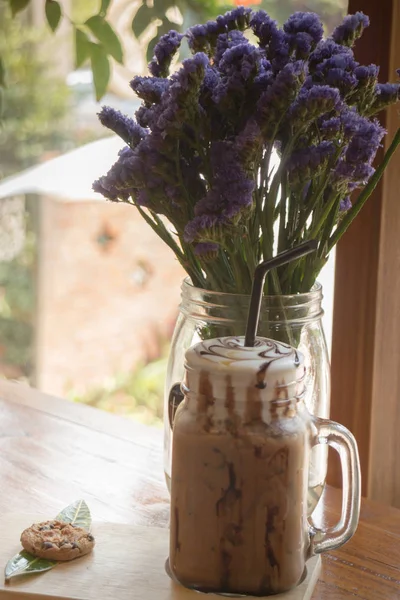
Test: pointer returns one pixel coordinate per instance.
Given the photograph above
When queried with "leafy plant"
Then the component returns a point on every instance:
(36, 103)
(96, 40)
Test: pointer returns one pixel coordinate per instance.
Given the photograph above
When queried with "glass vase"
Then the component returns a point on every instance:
(294, 319)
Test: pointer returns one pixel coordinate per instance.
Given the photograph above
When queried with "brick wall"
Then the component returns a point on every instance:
(107, 290)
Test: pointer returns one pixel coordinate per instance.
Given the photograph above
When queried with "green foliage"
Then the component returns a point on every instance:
(35, 101)
(106, 36)
(17, 303)
(95, 39)
(100, 68)
(82, 47)
(53, 13)
(18, 5)
(137, 395)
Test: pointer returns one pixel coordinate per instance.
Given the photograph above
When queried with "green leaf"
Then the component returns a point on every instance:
(77, 513)
(82, 47)
(26, 564)
(104, 7)
(100, 69)
(142, 19)
(2, 73)
(53, 13)
(18, 5)
(150, 48)
(107, 36)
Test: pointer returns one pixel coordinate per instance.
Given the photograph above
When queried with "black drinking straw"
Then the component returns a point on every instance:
(258, 284)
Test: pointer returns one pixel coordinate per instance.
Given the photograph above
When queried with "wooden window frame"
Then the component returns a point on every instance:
(366, 319)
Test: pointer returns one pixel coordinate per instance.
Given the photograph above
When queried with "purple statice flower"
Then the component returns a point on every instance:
(203, 38)
(273, 103)
(264, 77)
(364, 136)
(120, 181)
(362, 173)
(210, 83)
(353, 175)
(104, 187)
(125, 127)
(345, 204)
(228, 40)
(305, 162)
(351, 29)
(330, 128)
(301, 43)
(164, 52)
(365, 141)
(198, 38)
(306, 22)
(263, 26)
(149, 89)
(326, 49)
(238, 18)
(337, 71)
(303, 32)
(249, 141)
(387, 93)
(240, 59)
(231, 190)
(351, 121)
(313, 102)
(237, 65)
(230, 193)
(271, 38)
(278, 50)
(206, 250)
(181, 95)
(366, 74)
(203, 226)
(145, 115)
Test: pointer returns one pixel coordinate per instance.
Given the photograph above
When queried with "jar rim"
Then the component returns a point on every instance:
(315, 291)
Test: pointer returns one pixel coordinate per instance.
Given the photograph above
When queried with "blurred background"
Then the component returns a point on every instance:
(88, 293)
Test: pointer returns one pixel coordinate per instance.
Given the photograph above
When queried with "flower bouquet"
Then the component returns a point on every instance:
(198, 164)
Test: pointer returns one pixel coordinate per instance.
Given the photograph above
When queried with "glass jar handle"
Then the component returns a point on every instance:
(343, 441)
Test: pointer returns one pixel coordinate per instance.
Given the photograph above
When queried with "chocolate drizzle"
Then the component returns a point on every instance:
(272, 350)
(272, 513)
(253, 411)
(205, 398)
(230, 496)
(229, 506)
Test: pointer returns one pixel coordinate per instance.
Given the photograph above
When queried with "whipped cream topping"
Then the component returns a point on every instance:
(274, 369)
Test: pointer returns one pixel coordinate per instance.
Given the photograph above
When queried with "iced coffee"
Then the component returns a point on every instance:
(239, 474)
(241, 448)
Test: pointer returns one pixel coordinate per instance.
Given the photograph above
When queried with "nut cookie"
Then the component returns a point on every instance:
(57, 540)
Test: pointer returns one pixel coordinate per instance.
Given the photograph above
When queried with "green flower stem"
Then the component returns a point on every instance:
(158, 226)
(365, 194)
(282, 216)
(315, 229)
(305, 216)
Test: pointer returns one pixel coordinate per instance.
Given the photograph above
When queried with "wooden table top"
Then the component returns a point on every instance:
(53, 452)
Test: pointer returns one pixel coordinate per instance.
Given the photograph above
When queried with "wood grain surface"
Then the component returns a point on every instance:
(127, 562)
(53, 452)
